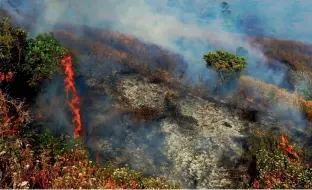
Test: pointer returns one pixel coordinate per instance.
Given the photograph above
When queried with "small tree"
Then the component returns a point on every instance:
(227, 65)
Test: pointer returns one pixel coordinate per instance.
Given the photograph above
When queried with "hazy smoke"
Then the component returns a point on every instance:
(184, 26)
(188, 27)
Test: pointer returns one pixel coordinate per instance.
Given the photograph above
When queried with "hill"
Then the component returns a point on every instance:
(140, 110)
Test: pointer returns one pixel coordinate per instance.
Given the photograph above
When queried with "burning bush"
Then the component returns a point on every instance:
(37, 58)
(25, 63)
(278, 163)
(42, 160)
(271, 95)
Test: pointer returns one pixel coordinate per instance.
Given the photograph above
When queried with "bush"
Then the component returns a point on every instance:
(227, 65)
(43, 57)
(12, 48)
(42, 160)
(278, 163)
(225, 62)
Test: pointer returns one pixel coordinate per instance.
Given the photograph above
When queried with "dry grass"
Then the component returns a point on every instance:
(297, 54)
(273, 95)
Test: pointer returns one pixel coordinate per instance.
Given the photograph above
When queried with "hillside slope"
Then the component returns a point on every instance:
(140, 110)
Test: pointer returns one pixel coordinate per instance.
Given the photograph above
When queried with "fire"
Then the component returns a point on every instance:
(288, 148)
(74, 104)
(250, 100)
(259, 105)
(6, 77)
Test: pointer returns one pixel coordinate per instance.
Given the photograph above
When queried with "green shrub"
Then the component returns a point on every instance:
(227, 65)
(47, 140)
(225, 62)
(43, 57)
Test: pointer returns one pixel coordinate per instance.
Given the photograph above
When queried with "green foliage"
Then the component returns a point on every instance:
(223, 61)
(32, 60)
(228, 66)
(44, 54)
(41, 160)
(12, 47)
(47, 140)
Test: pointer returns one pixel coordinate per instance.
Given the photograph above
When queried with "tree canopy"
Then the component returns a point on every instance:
(227, 65)
(36, 58)
(43, 57)
(225, 62)
(26, 63)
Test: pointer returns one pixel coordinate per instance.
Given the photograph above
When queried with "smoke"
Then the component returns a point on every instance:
(51, 104)
(188, 27)
(183, 26)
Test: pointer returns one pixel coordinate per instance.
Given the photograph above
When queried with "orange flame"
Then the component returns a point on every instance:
(288, 148)
(6, 77)
(75, 102)
(259, 105)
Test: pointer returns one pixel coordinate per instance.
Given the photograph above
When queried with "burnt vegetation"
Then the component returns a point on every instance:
(103, 58)
(31, 157)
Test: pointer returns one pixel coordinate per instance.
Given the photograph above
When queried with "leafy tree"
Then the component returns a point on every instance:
(227, 65)
(25, 63)
(12, 47)
(43, 57)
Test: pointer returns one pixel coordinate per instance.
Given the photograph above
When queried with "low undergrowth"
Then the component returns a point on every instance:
(276, 163)
(43, 160)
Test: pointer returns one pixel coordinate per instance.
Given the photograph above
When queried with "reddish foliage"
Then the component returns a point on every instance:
(288, 148)
(256, 184)
(134, 184)
(11, 120)
(6, 76)
(296, 54)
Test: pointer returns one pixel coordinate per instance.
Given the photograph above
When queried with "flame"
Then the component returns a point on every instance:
(250, 100)
(6, 77)
(288, 148)
(74, 104)
(259, 105)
